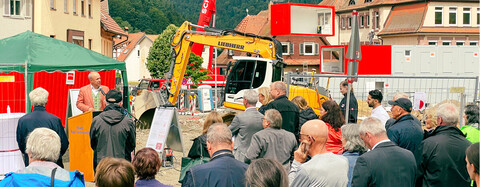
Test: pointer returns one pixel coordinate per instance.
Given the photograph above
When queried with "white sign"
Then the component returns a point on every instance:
(70, 78)
(419, 101)
(165, 130)
(189, 81)
(73, 97)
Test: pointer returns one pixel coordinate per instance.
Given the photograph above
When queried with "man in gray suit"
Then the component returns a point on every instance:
(246, 124)
(386, 164)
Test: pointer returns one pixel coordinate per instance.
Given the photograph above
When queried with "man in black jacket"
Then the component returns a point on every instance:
(441, 155)
(112, 134)
(386, 164)
(287, 109)
(406, 132)
(39, 117)
(353, 105)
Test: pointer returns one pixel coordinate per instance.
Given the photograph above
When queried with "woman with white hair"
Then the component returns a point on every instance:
(39, 117)
(353, 147)
(43, 150)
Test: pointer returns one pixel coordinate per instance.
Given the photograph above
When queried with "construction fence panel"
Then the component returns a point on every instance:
(437, 89)
(187, 92)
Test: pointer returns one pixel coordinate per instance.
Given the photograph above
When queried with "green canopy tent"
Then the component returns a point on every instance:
(29, 52)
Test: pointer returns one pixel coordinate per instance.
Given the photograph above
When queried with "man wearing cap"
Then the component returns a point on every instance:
(405, 131)
(112, 134)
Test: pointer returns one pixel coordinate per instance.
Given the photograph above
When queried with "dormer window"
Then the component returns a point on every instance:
(368, 1)
(351, 2)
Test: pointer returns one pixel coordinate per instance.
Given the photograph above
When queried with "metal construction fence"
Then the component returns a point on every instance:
(437, 89)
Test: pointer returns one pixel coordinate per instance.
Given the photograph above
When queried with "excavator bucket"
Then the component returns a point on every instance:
(144, 107)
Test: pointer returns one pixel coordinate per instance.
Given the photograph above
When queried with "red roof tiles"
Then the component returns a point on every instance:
(133, 39)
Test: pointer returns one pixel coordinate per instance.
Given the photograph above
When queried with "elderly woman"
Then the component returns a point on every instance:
(199, 146)
(39, 117)
(147, 163)
(264, 98)
(353, 145)
(472, 162)
(43, 150)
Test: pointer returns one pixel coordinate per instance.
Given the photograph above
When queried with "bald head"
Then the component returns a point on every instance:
(94, 78)
(315, 128)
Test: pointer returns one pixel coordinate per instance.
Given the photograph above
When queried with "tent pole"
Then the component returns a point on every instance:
(126, 98)
(26, 87)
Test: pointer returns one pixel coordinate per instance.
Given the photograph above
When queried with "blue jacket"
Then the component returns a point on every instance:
(39, 117)
(33, 179)
(406, 133)
(222, 171)
(352, 159)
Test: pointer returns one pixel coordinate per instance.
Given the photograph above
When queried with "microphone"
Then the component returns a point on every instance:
(102, 90)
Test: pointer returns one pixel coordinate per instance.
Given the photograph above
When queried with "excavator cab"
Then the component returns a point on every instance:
(250, 73)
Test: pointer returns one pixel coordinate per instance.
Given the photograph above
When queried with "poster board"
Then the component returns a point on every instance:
(81, 154)
(72, 109)
(165, 130)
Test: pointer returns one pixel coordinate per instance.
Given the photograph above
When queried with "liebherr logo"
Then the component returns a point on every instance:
(230, 45)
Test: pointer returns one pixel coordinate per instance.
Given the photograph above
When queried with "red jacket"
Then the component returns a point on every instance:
(334, 142)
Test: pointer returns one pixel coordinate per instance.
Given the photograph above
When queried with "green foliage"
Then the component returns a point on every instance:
(150, 16)
(159, 58)
(122, 23)
(229, 12)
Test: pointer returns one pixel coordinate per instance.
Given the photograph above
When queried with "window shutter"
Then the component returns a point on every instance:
(301, 49)
(316, 49)
(6, 7)
(291, 49)
(28, 11)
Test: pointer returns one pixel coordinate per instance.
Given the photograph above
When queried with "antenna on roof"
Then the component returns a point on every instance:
(246, 11)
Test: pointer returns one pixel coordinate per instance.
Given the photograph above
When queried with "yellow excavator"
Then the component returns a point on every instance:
(246, 73)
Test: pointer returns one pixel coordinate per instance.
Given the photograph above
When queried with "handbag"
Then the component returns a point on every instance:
(188, 163)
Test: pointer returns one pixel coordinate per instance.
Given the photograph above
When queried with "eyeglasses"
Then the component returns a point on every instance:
(313, 139)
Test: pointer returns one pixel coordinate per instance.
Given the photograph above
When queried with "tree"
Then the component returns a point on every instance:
(159, 58)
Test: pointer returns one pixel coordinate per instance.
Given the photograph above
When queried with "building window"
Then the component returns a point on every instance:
(473, 43)
(76, 37)
(351, 2)
(74, 7)
(89, 8)
(377, 20)
(343, 23)
(452, 16)
(82, 7)
(138, 53)
(446, 42)
(230, 52)
(65, 6)
(368, 1)
(349, 22)
(52, 4)
(438, 15)
(15, 8)
(362, 21)
(466, 16)
(309, 48)
(285, 48)
(460, 42)
(478, 16)
(432, 42)
(90, 44)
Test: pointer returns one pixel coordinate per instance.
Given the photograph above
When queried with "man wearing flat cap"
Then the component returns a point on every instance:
(112, 134)
(405, 131)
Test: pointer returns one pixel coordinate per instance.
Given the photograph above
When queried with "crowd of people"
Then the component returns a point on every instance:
(283, 143)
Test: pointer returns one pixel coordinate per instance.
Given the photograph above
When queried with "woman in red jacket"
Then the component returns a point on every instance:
(332, 116)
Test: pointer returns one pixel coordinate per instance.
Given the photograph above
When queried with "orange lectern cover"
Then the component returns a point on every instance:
(81, 154)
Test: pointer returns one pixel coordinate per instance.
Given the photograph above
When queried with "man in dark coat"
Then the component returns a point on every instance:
(405, 131)
(223, 169)
(39, 117)
(441, 156)
(353, 105)
(386, 164)
(287, 108)
(112, 134)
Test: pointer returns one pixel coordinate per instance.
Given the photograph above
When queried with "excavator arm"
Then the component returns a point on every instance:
(185, 37)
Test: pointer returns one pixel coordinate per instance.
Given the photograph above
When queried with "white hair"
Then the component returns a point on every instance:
(251, 96)
(219, 133)
(43, 144)
(274, 117)
(399, 95)
(352, 137)
(449, 113)
(373, 126)
(38, 97)
(279, 85)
